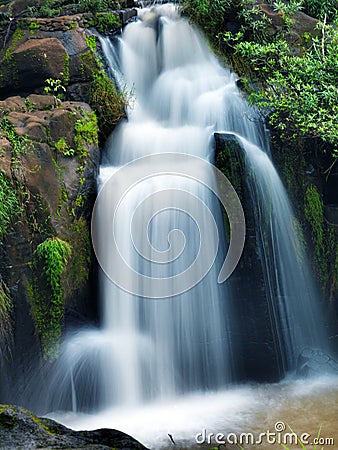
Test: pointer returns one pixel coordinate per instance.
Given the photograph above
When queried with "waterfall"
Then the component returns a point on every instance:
(154, 347)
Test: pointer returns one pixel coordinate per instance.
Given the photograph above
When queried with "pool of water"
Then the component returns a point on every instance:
(306, 406)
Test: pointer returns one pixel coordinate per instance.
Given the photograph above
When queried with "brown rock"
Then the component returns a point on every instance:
(12, 104)
(5, 156)
(32, 63)
(41, 101)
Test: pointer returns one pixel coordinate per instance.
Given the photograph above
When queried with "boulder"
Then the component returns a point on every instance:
(30, 64)
(19, 428)
(55, 183)
(312, 362)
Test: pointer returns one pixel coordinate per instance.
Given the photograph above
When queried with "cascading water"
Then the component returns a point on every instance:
(155, 349)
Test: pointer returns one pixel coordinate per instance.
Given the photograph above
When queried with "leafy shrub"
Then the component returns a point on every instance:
(318, 8)
(95, 6)
(105, 23)
(6, 306)
(208, 14)
(108, 103)
(298, 93)
(86, 133)
(10, 207)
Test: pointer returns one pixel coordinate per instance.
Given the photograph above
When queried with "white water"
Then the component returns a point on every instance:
(156, 355)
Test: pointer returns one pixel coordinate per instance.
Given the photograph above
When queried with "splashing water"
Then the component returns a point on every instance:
(149, 351)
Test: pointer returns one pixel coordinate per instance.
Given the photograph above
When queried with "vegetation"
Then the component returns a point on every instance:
(108, 102)
(86, 133)
(297, 88)
(10, 206)
(105, 23)
(298, 93)
(46, 294)
(6, 306)
(51, 8)
(208, 14)
(314, 213)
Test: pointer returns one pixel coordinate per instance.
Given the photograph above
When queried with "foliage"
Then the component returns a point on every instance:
(46, 295)
(320, 8)
(314, 213)
(6, 306)
(86, 133)
(91, 42)
(18, 142)
(10, 206)
(33, 27)
(208, 14)
(105, 23)
(62, 147)
(93, 6)
(108, 103)
(55, 87)
(299, 93)
(78, 267)
(52, 8)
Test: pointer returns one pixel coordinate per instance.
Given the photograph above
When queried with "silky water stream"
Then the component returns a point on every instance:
(164, 363)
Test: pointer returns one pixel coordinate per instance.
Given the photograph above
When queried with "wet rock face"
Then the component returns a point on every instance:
(257, 358)
(19, 428)
(52, 165)
(312, 362)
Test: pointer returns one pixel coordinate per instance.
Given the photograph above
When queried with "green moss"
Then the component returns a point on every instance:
(314, 213)
(46, 292)
(88, 64)
(65, 74)
(106, 23)
(18, 142)
(10, 206)
(33, 27)
(108, 103)
(17, 36)
(78, 268)
(86, 134)
(6, 307)
(91, 42)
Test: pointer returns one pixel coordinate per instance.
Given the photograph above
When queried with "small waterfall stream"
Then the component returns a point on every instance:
(154, 350)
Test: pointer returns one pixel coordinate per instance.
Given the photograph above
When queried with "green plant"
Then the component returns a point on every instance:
(46, 294)
(297, 93)
(95, 6)
(105, 23)
(86, 133)
(289, 7)
(314, 213)
(10, 206)
(18, 142)
(108, 102)
(210, 15)
(320, 8)
(62, 147)
(55, 87)
(33, 27)
(6, 307)
(91, 42)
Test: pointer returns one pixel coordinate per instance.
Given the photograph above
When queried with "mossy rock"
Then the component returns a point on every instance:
(19, 428)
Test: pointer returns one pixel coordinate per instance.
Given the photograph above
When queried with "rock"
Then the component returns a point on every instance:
(127, 14)
(315, 362)
(30, 64)
(19, 428)
(258, 359)
(57, 191)
(331, 214)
